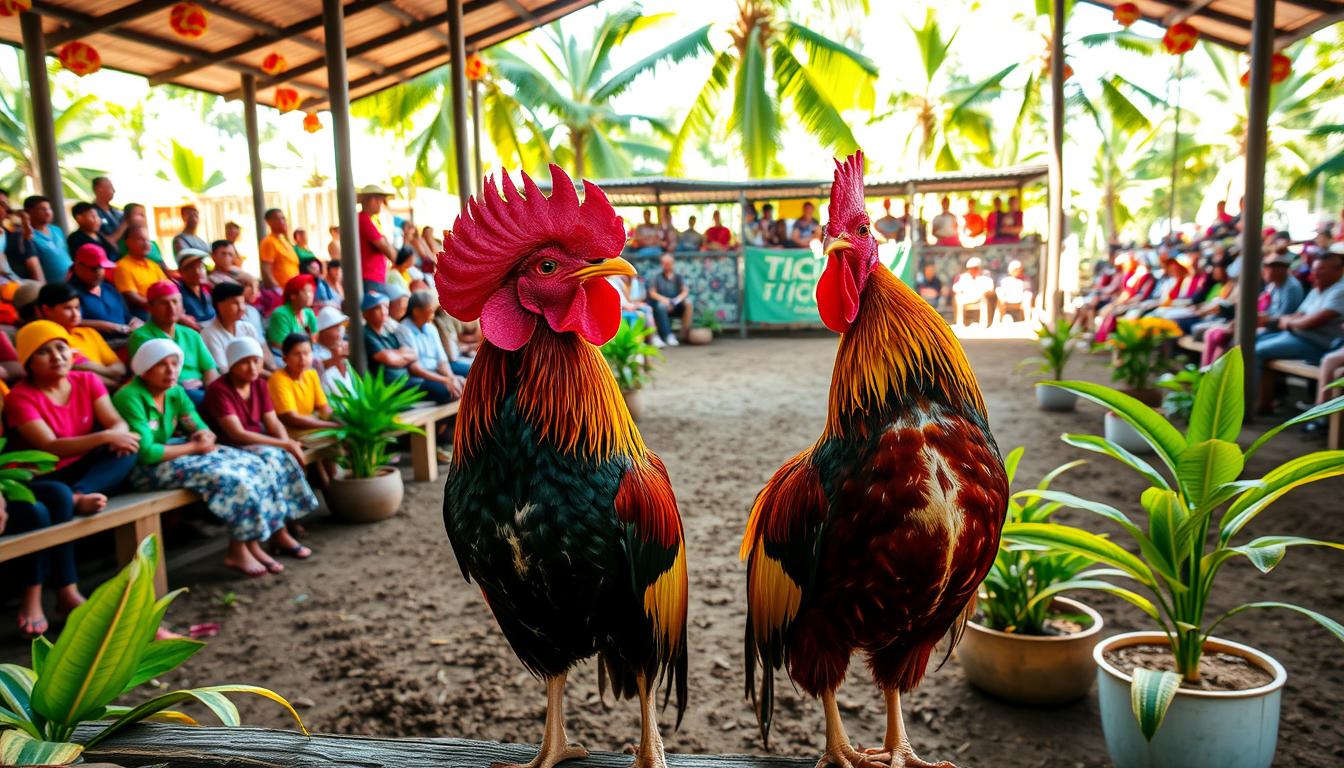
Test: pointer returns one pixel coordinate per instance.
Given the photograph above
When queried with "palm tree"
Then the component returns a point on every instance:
(1126, 134)
(761, 72)
(189, 171)
(73, 135)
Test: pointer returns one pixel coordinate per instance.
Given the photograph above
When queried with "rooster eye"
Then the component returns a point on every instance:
(863, 230)
(547, 267)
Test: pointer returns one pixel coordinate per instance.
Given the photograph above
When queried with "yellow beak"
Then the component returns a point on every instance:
(615, 266)
(838, 244)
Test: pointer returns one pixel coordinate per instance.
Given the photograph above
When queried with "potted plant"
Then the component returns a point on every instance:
(1137, 346)
(631, 357)
(1057, 344)
(1028, 644)
(707, 326)
(368, 413)
(106, 651)
(1180, 696)
(1178, 391)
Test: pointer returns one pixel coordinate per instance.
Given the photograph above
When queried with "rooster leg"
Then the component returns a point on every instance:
(839, 753)
(555, 748)
(650, 754)
(896, 751)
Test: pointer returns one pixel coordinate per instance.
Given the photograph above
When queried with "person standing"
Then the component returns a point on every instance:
(1010, 222)
(187, 238)
(279, 260)
(944, 226)
(48, 241)
(972, 224)
(334, 244)
(375, 252)
(718, 237)
(301, 245)
(992, 221)
(112, 220)
(889, 227)
(690, 239)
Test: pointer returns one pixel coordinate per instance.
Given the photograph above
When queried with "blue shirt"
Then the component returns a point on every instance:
(324, 292)
(111, 219)
(426, 343)
(200, 307)
(107, 305)
(1284, 299)
(52, 253)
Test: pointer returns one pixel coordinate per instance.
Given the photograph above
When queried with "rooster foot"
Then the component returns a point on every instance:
(902, 757)
(650, 758)
(844, 756)
(549, 758)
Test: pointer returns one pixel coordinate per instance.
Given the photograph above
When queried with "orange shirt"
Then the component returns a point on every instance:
(279, 252)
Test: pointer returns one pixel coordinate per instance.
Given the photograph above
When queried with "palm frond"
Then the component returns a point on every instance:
(810, 104)
(700, 117)
(688, 47)
(754, 118)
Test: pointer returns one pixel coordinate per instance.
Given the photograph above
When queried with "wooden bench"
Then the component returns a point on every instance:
(1190, 344)
(1301, 369)
(425, 448)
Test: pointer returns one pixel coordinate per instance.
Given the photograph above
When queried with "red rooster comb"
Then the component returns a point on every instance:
(499, 230)
(847, 189)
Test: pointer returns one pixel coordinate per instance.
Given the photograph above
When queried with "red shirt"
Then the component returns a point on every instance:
(974, 223)
(372, 262)
(221, 399)
(719, 234)
(26, 403)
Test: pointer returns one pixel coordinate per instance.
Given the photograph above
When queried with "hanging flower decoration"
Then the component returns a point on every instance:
(274, 64)
(286, 99)
(15, 7)
(475, 67)
(188, 20)
(1280, 67)
(1068, 71)
(80, 58)
(1125, 14)
(1180, 38)
(311, 123)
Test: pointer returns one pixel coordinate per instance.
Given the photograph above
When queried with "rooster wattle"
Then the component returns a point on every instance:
(876, 537)
(553, 504)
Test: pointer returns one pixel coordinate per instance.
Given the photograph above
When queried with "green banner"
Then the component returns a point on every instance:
(781, 284)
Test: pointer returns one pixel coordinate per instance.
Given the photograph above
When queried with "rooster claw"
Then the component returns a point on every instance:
(901, 757)
(545, 760)
(845, 756)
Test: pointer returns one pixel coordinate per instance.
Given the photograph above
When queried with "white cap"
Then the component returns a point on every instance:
(330, 317)
(151, 353)
(973, 262)
(240, 349)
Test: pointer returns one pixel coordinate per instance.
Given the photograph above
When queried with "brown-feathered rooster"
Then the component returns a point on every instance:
(553, 504)
(875, 538)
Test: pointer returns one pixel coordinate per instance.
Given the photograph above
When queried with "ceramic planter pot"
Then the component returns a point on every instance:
(1121, 433)
(366, 499)
(1055, 399)
(699, 336)
(1202, 729)
(1028, 669)
(633, 403)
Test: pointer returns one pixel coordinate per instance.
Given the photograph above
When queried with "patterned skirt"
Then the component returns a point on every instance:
(253, 490)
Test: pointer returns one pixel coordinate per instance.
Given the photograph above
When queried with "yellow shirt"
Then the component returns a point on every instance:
(277, 251)
(303, 397)
(91, 344)
(136, 275)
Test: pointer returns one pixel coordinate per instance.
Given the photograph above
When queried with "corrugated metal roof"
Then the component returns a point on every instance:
(388, 41)
(1228, 22)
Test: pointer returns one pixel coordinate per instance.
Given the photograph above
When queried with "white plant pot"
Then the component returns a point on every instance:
(1122, 434)
(1202, 729)
(1055, 399)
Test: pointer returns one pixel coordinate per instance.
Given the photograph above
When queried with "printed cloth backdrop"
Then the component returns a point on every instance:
(711, 278)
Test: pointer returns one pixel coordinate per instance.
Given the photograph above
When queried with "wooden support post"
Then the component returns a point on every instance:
(458, 70)
(338, 85)
(43, 127)
(254, 154)
(1054, 298)
(128, 538)
(1252, 215)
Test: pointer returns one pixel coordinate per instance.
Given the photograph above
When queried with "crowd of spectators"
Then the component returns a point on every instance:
(142, 370)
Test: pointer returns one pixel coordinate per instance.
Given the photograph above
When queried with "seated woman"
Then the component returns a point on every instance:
(296, 389)
(242, 489)
(69, 414)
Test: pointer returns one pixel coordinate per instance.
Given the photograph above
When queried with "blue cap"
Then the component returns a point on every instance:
(371, 300)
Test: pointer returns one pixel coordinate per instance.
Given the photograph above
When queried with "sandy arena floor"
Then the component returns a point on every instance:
(379, 634)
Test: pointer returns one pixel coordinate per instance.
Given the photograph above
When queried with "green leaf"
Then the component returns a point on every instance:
(1333, 626)
(1010, 462)
(1166, 521)
(16, 689)
(1302, 470)
(1150, 694)
(1266, 551)
(1134, 598)
(1155, 430)
(211, 696)
(1320, 411)
(162, 656)
(1084, 543)
(1219, 402)
(18, 748)
(41, 649)
(1203, 467)
(1098, 444)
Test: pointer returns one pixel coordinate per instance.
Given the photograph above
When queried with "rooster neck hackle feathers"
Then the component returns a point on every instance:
(562, 386)
(898, 349)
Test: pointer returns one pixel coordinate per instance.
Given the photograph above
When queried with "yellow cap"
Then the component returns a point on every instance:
(32, 336)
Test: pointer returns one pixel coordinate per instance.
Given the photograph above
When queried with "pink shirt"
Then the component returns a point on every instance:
(26, 403)
(372, 262)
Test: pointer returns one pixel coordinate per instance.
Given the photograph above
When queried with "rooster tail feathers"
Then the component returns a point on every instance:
(958, 628)
(764, 700)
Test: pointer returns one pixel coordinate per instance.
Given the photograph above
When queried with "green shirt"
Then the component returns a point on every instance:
(196, 357)
(155, 254)
(155, 428)
(304, 254)
(283, 323)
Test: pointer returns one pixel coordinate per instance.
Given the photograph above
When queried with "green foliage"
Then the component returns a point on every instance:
(1057, 345)
(105, 652)
(1015, 596)
(1178, 560)
(19, 467)
(1179, 398)
(631, 356)
(1138, 346)
(368, 412)
(706, 318)
(74, 133)
(189, 171)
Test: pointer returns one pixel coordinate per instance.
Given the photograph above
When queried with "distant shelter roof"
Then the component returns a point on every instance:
(387, 41)
(1228, 22)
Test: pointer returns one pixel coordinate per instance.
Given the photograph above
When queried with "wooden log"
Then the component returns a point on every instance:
(185, 747)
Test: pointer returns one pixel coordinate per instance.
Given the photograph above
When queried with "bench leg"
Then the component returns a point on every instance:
(129, 537)
(425, 455)
(1335, 440)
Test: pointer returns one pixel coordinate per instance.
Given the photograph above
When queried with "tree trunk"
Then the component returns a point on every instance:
(576, 143)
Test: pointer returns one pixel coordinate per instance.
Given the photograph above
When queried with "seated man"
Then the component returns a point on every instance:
(228, 324)
(689, 239)
(1314, 328)
(331, 324)
(930, 286)
(136, 272)
(1014, 292)
(165, 311)
(101, 306)
(296, 390)
(646, 238)
(388, 356)
(195, 286)
(973, 289)
(718, 237)
(418, 332)
(669, 296)
(59, 303)
(225, 259)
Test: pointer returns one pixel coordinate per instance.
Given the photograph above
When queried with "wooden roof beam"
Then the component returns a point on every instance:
(1320, 6)
(105, 23)
(1208, 13)
(266, 28)
(407, 19)
(1191, 8)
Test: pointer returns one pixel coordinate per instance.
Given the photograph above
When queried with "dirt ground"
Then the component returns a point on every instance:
(379, 634)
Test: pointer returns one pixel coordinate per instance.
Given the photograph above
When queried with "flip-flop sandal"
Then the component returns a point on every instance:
(33, 628)
(249, 573)
(273, 567)
(298, 551)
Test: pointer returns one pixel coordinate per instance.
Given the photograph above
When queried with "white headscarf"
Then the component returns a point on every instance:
(240, 349)
(151, 353)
